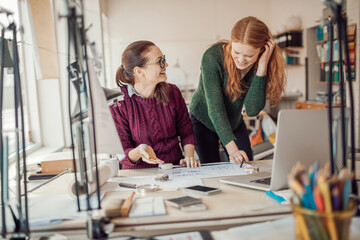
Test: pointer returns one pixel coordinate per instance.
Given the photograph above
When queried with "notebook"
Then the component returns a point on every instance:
(149, 206)
(301, 136)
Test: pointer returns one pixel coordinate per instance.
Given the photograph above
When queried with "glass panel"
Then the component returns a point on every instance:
(8, 113)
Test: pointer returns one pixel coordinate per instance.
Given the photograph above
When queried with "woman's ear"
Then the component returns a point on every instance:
(137, 71)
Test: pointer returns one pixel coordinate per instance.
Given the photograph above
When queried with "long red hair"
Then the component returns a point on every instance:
(253, 32)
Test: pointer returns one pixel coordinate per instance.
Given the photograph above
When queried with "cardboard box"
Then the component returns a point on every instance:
(57, 162)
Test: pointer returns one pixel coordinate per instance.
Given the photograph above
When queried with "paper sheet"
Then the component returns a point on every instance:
(52, 209)
(172, 184)
(107, 139)
(208, 171)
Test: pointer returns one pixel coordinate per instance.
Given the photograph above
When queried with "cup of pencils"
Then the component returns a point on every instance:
(321, 204)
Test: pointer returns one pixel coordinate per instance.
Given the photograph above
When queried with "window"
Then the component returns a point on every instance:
(8, 114)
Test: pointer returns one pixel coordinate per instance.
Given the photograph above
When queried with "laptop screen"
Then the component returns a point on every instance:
(301, 136)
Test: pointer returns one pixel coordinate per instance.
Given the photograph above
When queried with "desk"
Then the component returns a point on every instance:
(235, 206)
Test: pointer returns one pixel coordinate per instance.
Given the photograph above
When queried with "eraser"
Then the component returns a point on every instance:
(166, 166)
(161, 177)
(252, 169)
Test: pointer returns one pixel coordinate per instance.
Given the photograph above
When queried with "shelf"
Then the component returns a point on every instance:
(324, 41)
(313, 104)
(327, 61)
(335, 83)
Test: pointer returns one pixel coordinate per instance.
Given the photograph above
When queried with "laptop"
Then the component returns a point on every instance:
(301, 136)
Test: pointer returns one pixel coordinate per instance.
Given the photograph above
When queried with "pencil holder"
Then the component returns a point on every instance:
(310, 224)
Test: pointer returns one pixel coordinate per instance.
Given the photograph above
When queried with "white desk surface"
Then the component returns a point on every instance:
(273, 230)
(234, 206)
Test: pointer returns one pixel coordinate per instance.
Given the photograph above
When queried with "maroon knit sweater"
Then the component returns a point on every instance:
(144, 120)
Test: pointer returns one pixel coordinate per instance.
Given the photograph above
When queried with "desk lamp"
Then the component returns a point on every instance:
(341, 21)
(18, 209)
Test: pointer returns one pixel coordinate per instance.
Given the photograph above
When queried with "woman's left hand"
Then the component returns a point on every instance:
(190, 162)
(265, 57)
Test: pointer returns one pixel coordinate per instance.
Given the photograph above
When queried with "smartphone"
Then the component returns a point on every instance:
(41, 176)
(203, 190)
(183, 201)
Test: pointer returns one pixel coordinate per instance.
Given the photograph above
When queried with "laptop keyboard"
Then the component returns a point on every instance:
(265, 181)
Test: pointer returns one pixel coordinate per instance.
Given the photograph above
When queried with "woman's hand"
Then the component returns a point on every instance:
(265, 57)
(189, 157)
(190, 162)
(148, 155)
(236, 155)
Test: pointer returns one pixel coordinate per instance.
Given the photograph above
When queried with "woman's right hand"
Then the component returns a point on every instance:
(265, 57)
(236, 155)
(148, 155)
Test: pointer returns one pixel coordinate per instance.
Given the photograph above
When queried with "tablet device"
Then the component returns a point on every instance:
(183, 201)
(203, 190)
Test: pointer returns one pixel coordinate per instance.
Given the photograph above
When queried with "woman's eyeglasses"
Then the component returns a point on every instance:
(161, 62)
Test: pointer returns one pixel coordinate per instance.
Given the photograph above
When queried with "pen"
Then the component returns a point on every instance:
(299, 190)
(324, 190)
(316, 170)
(335, 198)
(319, 200)
(346, 194)
(308, 192)
(242, 162)
(311, 176)
(278, 198)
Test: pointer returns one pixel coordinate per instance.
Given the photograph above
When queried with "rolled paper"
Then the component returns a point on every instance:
(104, 175)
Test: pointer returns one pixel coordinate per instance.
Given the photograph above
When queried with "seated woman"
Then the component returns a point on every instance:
(153, 114)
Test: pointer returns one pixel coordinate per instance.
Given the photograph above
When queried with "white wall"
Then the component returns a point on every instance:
(309, 11)
(353, 13)
(183, 30)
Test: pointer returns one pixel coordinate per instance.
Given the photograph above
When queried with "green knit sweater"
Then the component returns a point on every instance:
(213, 107)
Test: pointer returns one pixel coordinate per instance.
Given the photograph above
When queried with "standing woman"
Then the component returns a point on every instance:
(245, 70)
(153, 116)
